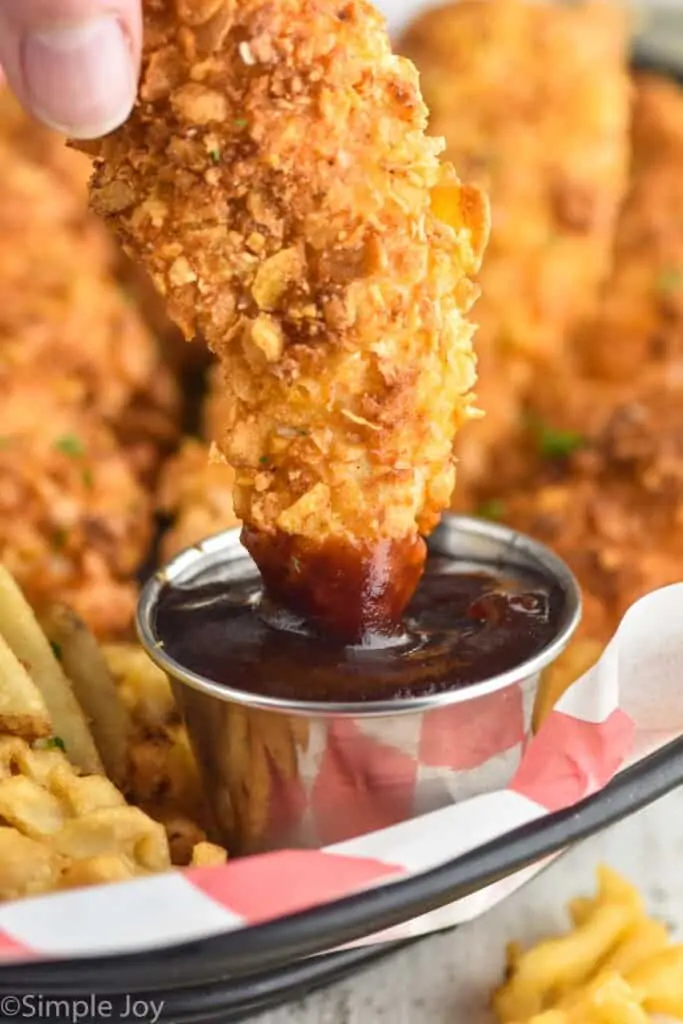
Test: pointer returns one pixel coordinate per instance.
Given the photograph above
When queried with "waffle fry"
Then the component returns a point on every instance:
(615, 967)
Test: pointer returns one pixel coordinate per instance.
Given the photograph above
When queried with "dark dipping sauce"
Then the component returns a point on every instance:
(464, 625)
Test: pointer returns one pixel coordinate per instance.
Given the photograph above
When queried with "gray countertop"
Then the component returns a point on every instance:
(445, 979)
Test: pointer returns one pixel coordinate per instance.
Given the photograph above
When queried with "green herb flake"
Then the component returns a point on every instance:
(264, 460)
(70, 444)
(56, 650)
(88, 480)
(670, 280)
(53, 743)
(493, 510)
(558, 444)
(215, 156)
(240, 122)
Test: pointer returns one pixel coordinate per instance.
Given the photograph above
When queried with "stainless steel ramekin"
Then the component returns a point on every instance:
(281, 773)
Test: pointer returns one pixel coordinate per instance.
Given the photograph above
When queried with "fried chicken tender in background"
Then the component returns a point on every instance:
(533, 100)
(195, 492)
(637, 329)
(597, 470)
(616, 513)
(74, 521)
(276, 182)
(195, 489)
(46, 151)
(62, 304)
(631, 342)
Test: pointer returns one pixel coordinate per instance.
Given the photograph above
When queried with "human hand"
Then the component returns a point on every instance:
(73, 63)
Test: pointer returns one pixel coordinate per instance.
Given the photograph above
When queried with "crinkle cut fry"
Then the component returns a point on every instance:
(276, 182)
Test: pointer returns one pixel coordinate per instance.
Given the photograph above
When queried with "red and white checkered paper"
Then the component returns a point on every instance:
(628, 705)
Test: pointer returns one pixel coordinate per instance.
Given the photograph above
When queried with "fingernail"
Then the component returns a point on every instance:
(80, 79)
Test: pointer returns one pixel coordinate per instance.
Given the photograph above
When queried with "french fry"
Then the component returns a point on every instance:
(646, 939)
(659, 982)
(577, 659)
(556, 967)
(87, 670)
(19, 627)
(22, 708)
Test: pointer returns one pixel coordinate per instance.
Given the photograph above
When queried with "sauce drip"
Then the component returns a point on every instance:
(463, 625)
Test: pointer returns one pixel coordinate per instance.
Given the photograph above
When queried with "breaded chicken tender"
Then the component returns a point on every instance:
(276, 182)
(62, 309)
(533, 100)
(74, 521)
(637, 329)
(632, 340)
(195, 492)
(616, 511)
(196, 486)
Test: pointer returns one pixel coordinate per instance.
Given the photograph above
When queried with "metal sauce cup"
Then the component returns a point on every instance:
(282, 773)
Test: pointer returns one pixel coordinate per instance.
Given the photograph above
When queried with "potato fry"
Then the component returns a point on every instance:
(22, 708)
(19, 627)
(659, 982)
(599, 973)
(581, 654)
(207, 855)
(552, 969)
(93, 684)
(642, 942)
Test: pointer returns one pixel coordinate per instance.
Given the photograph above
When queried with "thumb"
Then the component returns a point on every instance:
(73, 63)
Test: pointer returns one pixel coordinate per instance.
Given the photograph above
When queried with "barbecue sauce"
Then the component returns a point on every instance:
(463, 625)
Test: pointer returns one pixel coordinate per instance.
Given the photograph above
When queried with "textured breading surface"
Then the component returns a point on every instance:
(533, 100)
(637, 329)
(62, 301)
(276, 181)
(599, 466)
(195, 492)
(74, 521)
(616, 511)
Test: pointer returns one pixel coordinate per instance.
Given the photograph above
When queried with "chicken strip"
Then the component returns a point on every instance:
(533, 99)
(637, 329)
(276, 182)
(75, 524)
(632, 341)
(195, 493)
(615, 512)
(62, 307)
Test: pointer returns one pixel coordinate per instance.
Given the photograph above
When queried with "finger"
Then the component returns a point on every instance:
(73, 63)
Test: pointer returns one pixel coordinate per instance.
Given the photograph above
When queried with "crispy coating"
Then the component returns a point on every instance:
(533, 99)
(631, 343)
(74, 521)
(63, 302)
(615, 510)
(637, 328)
(276, 182)
(195, 492)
